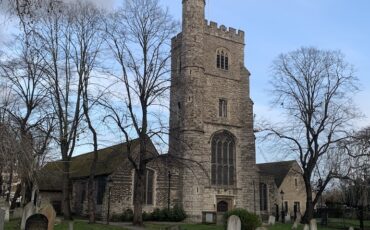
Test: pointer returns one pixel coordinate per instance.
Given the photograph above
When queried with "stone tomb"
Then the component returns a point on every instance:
(234, 223)
(48, 211)
(37, 222)
(28, 211)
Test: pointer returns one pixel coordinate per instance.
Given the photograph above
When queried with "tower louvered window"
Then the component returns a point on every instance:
(222, 60)
(223, 160)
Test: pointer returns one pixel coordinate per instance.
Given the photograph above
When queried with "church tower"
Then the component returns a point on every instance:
(211, 117)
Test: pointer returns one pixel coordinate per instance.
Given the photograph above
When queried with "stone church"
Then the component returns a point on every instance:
(211, 123)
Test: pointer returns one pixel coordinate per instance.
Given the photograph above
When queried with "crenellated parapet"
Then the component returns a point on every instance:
(222, 31)
(176, 41)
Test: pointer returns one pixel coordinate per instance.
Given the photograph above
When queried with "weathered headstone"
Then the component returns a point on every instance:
(2, 219)
(17, 213)
(233, 223)
(297, 221)
(28, 211)
(313, 224)
(350, 228)
(37, 222)
(271, 220)
(48, 211)
(287, 218)
(70, 225)
(306, 227)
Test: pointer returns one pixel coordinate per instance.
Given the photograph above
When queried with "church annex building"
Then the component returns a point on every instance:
(211, 121)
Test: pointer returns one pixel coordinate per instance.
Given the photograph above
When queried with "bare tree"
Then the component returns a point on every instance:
(54, 28)
(314, 90)
(139, 37)
(357, 182)
(88, 36)
(23, 74)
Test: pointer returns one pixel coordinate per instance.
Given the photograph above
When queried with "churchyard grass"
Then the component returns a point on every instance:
(159, 226)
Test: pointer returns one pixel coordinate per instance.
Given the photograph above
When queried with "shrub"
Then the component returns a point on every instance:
(248, 220)
(128, 215)
(178, 214)
(175, 214)
(116, 217)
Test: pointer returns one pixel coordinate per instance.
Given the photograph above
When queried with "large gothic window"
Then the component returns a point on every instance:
(222, 61)
(223, 160)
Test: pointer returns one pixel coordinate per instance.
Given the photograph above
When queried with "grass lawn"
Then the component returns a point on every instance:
(333, 224)
(185, 227)
(78, 225)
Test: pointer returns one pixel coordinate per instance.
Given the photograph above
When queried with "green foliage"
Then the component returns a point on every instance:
(175, 214)
(126, 216)
(248, 220)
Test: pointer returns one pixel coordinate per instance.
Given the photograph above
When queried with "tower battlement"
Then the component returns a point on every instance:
(222, 31)
(176, 40)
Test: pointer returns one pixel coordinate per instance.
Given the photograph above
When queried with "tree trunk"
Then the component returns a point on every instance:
(139, 196)
(361, 216)
(308, 215)
(66, 191)
(91, 200)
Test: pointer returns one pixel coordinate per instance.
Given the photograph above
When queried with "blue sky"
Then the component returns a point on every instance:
(278, 26)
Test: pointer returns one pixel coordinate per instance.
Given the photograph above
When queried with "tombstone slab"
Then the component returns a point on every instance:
(2, 219)
(306, 227)
(313, 224)
(48, 211)
(234, 223)
(295, 225)
(350, 228)
(28, 211)
(272, 220)
(287, 219)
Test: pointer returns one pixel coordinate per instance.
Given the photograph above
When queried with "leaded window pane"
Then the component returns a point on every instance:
(231, 153)
(225, 152)
(226, 175)
(231, 175)
(213, 174)
(213, 160)
(219, 152)
(219, 175)
(226, 63)
(149, 190)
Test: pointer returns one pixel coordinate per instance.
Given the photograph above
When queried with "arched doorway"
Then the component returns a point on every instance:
(222, 206)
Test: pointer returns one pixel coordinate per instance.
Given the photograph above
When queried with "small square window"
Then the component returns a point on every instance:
(222, 106)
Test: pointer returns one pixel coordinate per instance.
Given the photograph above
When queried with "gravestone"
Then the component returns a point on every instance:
(70, 225)
(28, 211)
(48, 211)
(287, 218)
(306, 227)
(350, 228)
(313, 224)
(233, 223)
(271, 220)
(297, 221)
(17, 213)
(2, 219)
(37, 222)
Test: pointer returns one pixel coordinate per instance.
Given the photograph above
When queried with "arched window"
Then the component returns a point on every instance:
(223, 160)
(222, 60)
(263, 197)
(148, 187)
